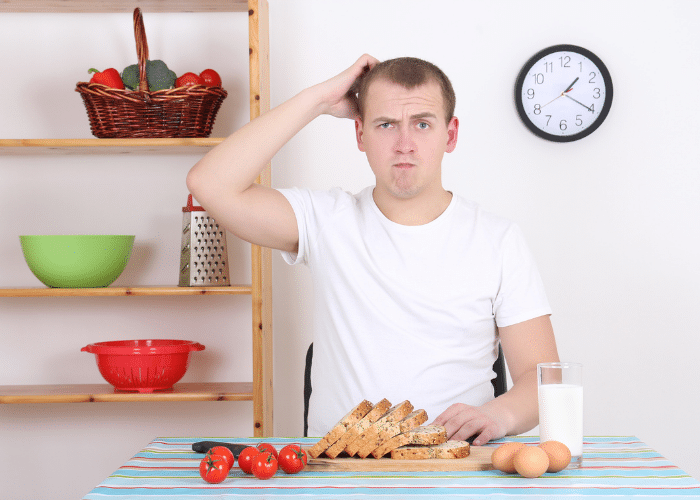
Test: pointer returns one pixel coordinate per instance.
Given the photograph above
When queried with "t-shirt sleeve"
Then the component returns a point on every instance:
(521, 295)
(299, 199)
(312, 209)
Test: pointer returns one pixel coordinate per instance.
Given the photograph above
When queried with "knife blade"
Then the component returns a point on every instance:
(205, 446)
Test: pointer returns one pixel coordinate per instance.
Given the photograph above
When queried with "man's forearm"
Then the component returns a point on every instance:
(517, 408)
(223, 181)
(233, 165)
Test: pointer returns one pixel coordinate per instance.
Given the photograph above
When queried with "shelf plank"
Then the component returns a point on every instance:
(103, 6)
(105, 393)
(120, 291)
(107, 146)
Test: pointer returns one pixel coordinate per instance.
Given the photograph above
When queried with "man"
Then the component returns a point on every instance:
(414, 286)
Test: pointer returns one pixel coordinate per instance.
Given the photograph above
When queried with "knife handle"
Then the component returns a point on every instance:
(205, 446)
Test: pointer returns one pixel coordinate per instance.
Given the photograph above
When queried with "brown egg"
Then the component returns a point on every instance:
(531, 461)
(502, 457)
(558, 454)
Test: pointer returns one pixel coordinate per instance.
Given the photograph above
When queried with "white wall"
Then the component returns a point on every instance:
(611, 219)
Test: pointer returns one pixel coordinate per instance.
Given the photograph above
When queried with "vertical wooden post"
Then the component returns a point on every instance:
(258, 29)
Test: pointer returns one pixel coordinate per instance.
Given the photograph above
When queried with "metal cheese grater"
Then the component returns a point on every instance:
(203, 256)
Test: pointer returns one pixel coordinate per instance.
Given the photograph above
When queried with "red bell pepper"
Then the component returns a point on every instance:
(109, 77)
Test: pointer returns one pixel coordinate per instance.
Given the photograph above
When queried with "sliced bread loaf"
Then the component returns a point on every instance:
(394, 414)
(353, 416)
(388, 430)
(424, 435)
(450, 449)
(355, 430)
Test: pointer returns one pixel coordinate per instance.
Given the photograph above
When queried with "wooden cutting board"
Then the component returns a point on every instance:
(479, 459)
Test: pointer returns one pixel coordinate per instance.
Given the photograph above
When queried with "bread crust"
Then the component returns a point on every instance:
(355, 430)
(424, 435)
(394, 414)
(352, 417)
(389, 430)
(448, 450)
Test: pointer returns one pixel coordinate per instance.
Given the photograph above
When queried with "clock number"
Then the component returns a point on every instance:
(538, 109)
(580, 67)
(548, 67)
(592, 75)
(530, 94)
(596, 93)
(562, 125)
(539, 78)
(591, 109)
(564, 61)
(549, 117)
(579, 121)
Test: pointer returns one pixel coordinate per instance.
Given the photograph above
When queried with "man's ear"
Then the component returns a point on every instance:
(452, 132)
(358, 134)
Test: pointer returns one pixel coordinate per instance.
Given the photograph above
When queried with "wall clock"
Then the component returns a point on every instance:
(563, 93)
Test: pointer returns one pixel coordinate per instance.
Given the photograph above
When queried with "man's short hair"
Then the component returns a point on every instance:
(410, 72)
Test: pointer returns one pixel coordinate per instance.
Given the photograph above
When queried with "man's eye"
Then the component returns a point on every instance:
(423, 125)
(385, 125)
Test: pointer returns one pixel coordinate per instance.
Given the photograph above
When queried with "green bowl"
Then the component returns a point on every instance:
(77, 261)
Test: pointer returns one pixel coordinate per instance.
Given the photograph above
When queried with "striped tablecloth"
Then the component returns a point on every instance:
(613, 467)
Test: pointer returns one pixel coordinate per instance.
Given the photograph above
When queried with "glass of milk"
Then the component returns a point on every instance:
(560, 398)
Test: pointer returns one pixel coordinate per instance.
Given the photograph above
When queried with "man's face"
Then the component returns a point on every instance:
(405, 135)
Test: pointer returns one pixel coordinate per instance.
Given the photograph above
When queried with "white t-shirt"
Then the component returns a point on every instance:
(408, 312)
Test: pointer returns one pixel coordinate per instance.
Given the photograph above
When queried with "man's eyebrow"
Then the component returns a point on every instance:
(417, 116)
(426, 114)
(384, 119)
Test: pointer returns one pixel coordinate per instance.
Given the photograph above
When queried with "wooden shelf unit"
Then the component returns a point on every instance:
(104, 6)
(260, 389)
(106, 146)
(125, 291)
(105, 393)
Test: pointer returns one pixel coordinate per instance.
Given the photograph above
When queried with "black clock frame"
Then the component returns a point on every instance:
(520, 81)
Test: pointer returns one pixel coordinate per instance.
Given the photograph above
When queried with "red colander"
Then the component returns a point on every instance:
(143, 365)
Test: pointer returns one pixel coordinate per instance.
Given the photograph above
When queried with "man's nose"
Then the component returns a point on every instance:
(404, 141)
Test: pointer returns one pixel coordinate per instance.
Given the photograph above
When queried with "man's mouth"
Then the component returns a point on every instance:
(403, 165)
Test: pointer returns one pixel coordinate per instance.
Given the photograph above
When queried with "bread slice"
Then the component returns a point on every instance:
(355, 430)
(353, 416)
(388, 430)
(428, 435)
(394, 414)
(450, 449)
(424, 435)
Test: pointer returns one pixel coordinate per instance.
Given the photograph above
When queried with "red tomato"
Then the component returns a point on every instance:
(224, 452)
(213, 468)
(188, 79)
(268, 448)
(292, 458)
(211, 78)
(245, 459)
(264, 465)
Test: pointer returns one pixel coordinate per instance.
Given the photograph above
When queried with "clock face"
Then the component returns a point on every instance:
(563, 93)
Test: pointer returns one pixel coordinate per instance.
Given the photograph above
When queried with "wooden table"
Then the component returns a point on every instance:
(613, 467)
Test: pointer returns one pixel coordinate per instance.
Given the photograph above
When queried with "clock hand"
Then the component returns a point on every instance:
(570, 86)
(563, 93)
(589, 109)
(550, 102)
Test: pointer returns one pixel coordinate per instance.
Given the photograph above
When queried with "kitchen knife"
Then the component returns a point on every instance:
(205, 446)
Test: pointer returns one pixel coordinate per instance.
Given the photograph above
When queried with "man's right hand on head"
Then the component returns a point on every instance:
(340, 91)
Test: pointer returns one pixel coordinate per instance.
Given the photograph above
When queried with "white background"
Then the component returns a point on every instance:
(612, 219)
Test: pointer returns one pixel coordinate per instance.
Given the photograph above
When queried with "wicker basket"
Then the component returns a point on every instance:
(179, 112)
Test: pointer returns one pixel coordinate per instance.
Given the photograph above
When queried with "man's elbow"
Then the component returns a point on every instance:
(194, 182)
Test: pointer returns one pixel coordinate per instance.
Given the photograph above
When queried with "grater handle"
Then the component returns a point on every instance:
(190, 207)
